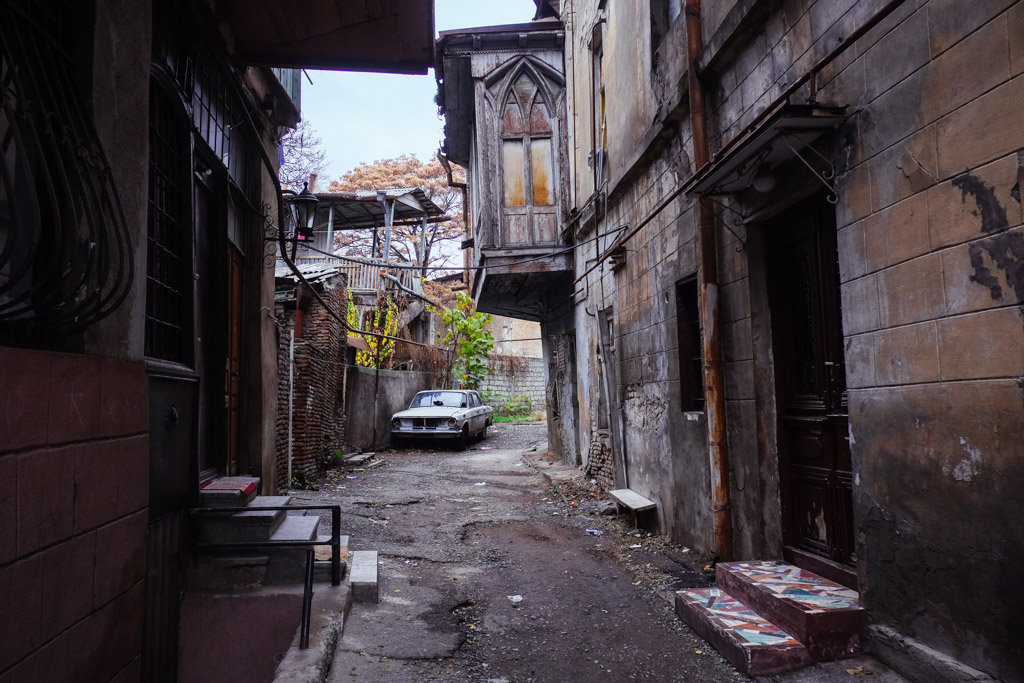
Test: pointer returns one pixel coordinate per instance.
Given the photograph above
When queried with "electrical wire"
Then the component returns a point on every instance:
(541, 257)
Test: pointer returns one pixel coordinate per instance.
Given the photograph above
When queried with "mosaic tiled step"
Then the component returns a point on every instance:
(752, 644)
(823, 615)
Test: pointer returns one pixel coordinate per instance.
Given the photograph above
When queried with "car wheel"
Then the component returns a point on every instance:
(462, 440)
(483, 432)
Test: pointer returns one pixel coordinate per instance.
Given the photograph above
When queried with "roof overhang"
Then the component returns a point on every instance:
(392, 36)
(777, 139)
(355, 210)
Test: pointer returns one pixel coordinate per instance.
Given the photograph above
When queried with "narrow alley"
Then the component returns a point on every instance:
(497, 565)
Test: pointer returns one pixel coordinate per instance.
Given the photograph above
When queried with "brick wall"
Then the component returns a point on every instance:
(318, 406)
(74, 485)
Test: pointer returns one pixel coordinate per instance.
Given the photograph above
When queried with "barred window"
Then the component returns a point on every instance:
(169, 261)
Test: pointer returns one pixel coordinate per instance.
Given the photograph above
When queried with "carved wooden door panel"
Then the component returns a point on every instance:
(814, 450)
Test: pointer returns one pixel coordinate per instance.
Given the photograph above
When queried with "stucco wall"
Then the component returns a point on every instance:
(393, 393)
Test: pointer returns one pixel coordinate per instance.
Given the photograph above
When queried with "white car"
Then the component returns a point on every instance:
(443, 414)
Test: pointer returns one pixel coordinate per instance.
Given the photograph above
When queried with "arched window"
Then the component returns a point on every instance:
(528, 165)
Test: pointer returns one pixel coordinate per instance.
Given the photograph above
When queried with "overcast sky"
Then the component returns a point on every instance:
(366, 116)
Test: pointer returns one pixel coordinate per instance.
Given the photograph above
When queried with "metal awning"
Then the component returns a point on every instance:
(393, 36)
(777, 139)
(354, 210)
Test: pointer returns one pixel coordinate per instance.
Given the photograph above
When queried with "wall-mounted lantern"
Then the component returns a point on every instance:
(304, 205)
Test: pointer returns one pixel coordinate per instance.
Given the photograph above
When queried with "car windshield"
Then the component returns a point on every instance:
(448, 399)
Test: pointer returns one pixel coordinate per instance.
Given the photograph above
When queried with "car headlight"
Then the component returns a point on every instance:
(452, 423)
(396, 423)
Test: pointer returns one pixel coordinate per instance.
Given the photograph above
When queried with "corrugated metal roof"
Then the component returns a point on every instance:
(313, 272)
(353, 210)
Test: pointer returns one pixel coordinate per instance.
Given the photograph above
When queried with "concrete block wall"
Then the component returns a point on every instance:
(530, 380)
(74, 486)
(390, 391)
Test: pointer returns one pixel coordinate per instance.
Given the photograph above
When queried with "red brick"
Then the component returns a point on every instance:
(120, 557)
(74, 399)
(124, 398)
(49, 664)
(132, 474)
(67, 583)
(46, 486)
(96, 473)
(24, 401)
(108, 639)
(8, 508)
(21, 595)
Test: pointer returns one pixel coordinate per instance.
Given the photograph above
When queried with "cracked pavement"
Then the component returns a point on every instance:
(488, 574)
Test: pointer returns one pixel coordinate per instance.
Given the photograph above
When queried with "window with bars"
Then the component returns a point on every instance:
(691, 359)
(169, 260)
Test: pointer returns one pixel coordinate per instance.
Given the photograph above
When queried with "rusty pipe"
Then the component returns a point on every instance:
(714, 377)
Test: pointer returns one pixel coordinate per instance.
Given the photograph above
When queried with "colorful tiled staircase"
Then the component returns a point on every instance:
(769, 617)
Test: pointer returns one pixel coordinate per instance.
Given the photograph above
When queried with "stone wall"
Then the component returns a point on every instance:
(527, 378)
(74, 486)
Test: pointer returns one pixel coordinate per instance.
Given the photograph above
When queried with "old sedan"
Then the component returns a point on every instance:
(443, 414)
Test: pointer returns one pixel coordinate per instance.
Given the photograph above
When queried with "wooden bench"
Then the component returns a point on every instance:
(624, 498)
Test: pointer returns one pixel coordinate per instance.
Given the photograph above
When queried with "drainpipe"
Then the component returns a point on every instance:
(714, 382)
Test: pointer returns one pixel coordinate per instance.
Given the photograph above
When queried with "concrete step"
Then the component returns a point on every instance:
(288, 565)
(363, 576)
(752, 644)
(237, 527)
(823, 615)
(296, 528)
(322, 566)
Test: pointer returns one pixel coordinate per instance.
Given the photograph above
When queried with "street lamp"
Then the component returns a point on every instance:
(304, 204)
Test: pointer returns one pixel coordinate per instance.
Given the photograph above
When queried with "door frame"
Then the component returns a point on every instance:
(804, 211)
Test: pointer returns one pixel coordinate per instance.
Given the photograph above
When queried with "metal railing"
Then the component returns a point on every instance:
(334, 542)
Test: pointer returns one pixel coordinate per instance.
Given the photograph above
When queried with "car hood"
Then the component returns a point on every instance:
(430, 411)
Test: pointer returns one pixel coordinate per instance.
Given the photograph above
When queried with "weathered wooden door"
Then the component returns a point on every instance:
(813, 433)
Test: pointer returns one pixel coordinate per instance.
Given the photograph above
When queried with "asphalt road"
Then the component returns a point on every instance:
(497, 566)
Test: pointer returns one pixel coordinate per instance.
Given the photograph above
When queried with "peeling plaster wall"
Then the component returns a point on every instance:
(930, 247)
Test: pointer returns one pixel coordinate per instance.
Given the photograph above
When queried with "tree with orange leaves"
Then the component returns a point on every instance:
(437, 245)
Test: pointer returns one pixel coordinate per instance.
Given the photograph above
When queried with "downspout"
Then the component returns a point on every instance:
(714, 379)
